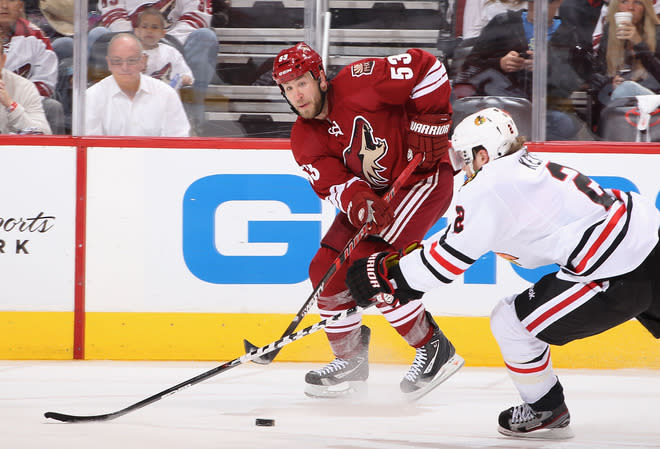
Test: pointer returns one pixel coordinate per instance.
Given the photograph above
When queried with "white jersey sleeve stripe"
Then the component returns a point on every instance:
(435, 78)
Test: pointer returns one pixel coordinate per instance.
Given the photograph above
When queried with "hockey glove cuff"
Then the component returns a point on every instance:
(379, 278)
(429, 134)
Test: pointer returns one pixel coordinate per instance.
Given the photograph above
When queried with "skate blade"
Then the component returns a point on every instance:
(557, 433)
(446, 371)
(342, 390)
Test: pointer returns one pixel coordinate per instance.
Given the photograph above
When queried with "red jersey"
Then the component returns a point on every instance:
(363, 142)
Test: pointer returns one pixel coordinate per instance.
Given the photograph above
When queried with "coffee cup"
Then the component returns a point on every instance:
(622, 17)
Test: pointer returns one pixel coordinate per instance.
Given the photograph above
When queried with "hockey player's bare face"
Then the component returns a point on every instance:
(304, 93)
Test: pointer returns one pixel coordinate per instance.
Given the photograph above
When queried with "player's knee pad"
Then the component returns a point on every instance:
(515, 341)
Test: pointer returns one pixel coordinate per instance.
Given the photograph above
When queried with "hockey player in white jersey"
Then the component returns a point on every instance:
(533, 212)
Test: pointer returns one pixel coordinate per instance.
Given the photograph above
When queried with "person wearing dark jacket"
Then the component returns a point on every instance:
(501, 62)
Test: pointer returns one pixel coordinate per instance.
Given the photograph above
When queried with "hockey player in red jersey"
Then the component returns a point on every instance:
(354, 135)
(534, 212)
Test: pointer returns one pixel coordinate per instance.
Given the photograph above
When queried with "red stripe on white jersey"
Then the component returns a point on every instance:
(605, 233)
(194, 20)
(453, 269)
(530, 368)
(114, 15)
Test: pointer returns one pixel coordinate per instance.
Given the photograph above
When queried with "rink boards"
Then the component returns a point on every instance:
(162, 249)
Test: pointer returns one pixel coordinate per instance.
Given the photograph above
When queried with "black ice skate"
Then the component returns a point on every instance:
(523, 421)
(341, 377)
(434, 363)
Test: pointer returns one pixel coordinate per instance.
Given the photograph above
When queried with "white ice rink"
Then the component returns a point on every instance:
(609, 409)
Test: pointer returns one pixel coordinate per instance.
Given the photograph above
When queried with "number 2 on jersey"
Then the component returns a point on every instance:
(583, 183)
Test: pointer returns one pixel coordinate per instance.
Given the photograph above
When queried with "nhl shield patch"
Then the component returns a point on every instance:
(362, 68)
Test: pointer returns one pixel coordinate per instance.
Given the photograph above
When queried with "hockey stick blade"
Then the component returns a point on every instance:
(264, 359)
(338, 262)
(258, 352)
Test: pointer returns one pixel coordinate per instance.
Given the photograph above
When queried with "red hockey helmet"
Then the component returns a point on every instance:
(293, 62)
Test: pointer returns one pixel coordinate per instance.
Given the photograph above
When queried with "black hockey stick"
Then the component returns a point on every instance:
(343, 255)
(285, 340)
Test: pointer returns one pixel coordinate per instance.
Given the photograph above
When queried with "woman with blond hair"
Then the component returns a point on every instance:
(630, 56)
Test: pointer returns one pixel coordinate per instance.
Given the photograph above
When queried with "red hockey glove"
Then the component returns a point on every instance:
(428, 134)
(367, 207)
(379, 278)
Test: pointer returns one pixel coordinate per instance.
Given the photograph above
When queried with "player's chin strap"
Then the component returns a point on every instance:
(323, 96)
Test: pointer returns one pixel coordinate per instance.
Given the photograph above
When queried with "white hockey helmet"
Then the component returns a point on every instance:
(492, 129)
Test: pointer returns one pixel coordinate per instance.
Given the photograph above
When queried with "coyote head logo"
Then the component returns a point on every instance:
(369, 149)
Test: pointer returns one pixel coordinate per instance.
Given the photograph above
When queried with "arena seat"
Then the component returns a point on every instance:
(519, 108)
(620, 118)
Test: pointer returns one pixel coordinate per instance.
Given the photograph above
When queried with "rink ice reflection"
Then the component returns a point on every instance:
(609, 408)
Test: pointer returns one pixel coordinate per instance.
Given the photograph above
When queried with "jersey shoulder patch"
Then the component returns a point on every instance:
(362, 68)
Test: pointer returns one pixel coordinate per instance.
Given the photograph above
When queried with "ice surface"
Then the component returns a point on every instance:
(609, 409)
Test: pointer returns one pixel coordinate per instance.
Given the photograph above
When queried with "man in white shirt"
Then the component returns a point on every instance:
(129, 103)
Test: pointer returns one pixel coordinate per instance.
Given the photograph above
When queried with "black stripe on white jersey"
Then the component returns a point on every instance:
(457, 254)
(608, 252)
(433, 271)
(617, 241)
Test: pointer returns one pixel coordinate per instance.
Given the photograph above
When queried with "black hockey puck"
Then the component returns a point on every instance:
(264, 422)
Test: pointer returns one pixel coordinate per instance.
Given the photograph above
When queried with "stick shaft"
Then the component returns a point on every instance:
(338, 262)
(285, 340)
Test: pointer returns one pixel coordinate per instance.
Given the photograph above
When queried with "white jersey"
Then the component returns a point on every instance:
(184, 16)
(535, 212)
(166, 63)
(30, 55)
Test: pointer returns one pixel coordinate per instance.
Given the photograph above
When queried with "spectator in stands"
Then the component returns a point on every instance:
(501, 63)
(188, 31)
(479, 12)
(22, 111)
(584, 15)
(130, 103)
(629, 57)
(597, 34)
(164, 62)
(29, 54)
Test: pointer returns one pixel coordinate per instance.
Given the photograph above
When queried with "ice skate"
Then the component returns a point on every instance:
(434, 363)
(341, 377)
(523, 421)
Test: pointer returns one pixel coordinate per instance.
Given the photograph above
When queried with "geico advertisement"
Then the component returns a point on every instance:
(234, 231)
(37, 228)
